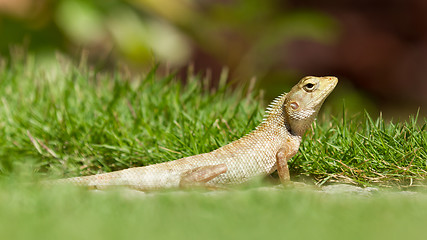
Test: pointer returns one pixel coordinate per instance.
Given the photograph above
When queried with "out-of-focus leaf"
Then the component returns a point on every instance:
(80, 21)
(142, 39)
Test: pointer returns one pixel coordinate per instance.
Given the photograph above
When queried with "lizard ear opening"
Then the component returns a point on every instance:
(294, 105)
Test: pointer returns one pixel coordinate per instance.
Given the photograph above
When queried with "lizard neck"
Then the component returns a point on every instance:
(277, 122)
(276, 119)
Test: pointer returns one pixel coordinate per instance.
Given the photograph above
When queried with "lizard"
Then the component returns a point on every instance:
(261, 152)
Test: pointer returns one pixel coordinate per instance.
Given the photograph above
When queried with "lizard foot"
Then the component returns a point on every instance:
(199, 176)
(282, 157)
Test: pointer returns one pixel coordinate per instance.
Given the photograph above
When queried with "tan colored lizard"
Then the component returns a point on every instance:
(261, 152)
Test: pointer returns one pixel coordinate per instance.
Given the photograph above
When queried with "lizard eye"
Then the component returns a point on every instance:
(309, 87)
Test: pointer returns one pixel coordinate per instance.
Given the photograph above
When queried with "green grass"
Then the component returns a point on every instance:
(67, 121)
(72, 121)
(364, 151)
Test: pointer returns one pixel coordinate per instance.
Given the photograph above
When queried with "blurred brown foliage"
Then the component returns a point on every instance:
(382, 49)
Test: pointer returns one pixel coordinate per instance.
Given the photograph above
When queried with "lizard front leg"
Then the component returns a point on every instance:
(199, 176)
(282, 157)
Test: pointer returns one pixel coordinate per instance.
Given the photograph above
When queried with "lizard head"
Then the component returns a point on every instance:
(304, 100)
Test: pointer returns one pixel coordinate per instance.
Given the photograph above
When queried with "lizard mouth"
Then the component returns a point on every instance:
(331, 84)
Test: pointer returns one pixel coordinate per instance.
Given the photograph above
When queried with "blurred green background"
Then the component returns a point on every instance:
(377, 48)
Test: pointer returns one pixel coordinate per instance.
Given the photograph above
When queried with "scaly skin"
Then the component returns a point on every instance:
(261, 152)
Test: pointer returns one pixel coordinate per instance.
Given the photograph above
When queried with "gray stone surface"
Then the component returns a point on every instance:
(333, 189)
